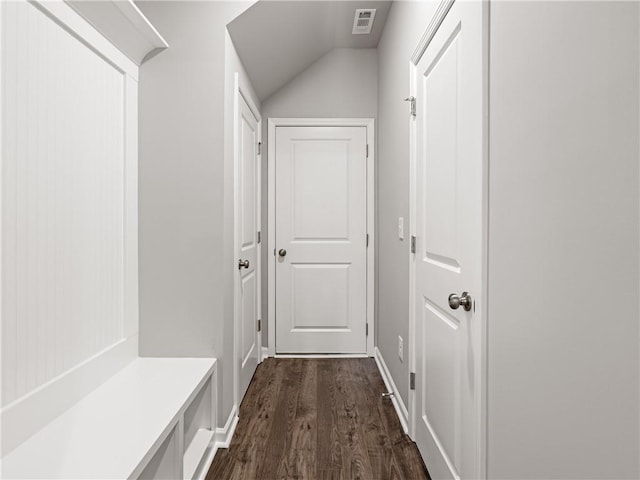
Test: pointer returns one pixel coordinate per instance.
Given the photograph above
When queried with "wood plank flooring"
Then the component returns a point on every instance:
(318, 419)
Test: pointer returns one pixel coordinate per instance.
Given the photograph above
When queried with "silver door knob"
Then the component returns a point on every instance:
(463, 301)
(282, 252)
(243, 264)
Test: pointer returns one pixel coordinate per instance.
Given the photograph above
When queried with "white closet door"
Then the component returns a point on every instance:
(449, 244)
(248, 248)
(321, 218)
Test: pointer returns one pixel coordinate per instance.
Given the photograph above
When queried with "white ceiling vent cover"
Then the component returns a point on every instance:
(363, 21)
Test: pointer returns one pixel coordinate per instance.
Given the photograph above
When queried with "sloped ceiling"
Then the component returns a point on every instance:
(277, 40)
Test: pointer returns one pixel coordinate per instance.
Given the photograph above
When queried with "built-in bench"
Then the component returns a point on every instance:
(155, 418)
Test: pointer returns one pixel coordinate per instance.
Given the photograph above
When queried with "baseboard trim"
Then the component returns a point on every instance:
(396, 399)
(321, 355)
(203, 469)
(265, 353)
(225, 434)
(222, 439)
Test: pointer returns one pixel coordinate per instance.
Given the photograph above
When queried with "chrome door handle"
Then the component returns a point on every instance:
(243, 264)
(463, 301)
(282, 252)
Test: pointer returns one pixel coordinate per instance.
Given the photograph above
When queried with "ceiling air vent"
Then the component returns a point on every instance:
(363, 21)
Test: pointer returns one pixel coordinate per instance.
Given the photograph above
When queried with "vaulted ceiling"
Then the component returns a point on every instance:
(277, 40)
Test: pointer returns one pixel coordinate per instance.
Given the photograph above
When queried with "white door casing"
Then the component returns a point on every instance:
(322, 213)
(247, 246)
(447, 199)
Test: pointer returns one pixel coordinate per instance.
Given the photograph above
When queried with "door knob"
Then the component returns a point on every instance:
(463, 301)
(243, 264)
(282, 252)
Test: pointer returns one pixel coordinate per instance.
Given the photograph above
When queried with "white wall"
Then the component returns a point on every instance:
(563, 230)
(341, 84)
(184, 218)
(406, 23)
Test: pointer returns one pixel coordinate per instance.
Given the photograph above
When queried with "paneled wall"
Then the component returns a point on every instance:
(63, 201)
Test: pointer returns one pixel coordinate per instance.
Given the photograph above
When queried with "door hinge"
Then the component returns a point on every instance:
(366, 329)
(412, 102)
(413, 244)
(259, 148)
(259, 325)
(367, 239)
(367, 150)
(412, 381)
(259, 236)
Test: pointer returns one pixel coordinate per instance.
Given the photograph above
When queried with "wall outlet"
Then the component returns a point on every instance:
(401, 228)
(400, 348)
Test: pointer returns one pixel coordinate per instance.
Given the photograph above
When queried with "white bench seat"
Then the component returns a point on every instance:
(113, 432)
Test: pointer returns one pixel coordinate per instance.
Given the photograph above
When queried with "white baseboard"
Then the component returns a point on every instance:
(203, 469)
(225, 434)
(265, 353)
(396, 399)
(321, 355)
(222, 439)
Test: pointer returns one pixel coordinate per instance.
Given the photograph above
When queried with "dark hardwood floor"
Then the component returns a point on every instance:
(318, 419)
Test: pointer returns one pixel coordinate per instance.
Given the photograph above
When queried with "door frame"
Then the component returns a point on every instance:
(369, 124)
(481, 368)
(241, 91)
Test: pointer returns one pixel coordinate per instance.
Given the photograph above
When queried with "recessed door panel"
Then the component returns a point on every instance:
(320, 190)
(248, 185)
(320, 296)
(249, 316)
(440, 86)
(440, 375)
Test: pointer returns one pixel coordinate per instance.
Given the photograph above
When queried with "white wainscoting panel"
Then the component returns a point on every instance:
(63, 201)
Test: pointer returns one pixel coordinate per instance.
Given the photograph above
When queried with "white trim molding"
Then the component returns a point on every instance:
(412, 232)
(432, 28)
(222, 439)
(273, 123)
(203, 469)
(224, 435)
(396, 399)
(123, 24)
(321, 355)
(67, 17)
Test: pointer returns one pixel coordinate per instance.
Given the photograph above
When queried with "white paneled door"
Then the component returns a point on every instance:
(448, 258)
(321, 227)
(248, 248)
